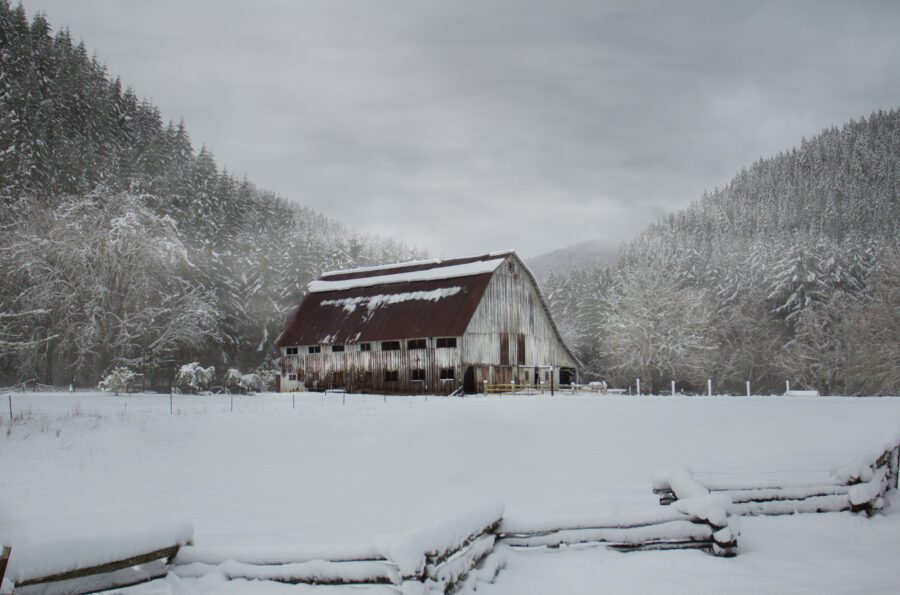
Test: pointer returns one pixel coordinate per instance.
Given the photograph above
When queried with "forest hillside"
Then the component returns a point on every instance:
(121, 243)
(790, 272)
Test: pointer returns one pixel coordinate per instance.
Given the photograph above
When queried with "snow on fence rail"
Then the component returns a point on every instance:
(434, 560)
(440, 559)
(96, 564)
(462, 550)
(857, 486)
(695, 523)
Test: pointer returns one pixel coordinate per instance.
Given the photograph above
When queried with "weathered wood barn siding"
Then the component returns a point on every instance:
(495, 316)
(358, 370)
(511, 318)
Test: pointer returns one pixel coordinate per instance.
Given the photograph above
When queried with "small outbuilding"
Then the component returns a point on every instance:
(434, 326)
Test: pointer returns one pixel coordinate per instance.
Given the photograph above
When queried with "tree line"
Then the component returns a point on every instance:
(122, 245)
(790, 272)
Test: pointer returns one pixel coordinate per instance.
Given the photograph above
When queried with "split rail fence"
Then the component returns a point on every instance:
(461, 551)
(859, 486)
(440, 559)
(455, 554)
(91, 565)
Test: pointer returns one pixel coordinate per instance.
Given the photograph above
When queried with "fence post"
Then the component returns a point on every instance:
(4, 560)
(748, 388)
(787, 388)
(709, 387)
(638, 384)
(9, 398)
(673, 388)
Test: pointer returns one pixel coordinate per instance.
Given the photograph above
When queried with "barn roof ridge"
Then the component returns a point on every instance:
(412, 265)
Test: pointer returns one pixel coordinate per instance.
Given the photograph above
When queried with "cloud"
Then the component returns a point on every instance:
(469, 125)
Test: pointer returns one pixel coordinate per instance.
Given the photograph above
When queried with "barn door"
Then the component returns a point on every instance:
(469, 380)
(504, 349)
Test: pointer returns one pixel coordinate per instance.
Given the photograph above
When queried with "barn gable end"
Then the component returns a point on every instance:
(512, 332)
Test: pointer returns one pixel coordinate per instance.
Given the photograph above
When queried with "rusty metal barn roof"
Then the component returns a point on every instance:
(434, 298)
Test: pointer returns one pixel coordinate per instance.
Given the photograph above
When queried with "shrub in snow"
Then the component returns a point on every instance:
(243, 383)
(117, 380)
(192, 377)
(268, 378)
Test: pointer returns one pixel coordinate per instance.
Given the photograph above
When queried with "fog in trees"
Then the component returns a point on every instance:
(790, 272)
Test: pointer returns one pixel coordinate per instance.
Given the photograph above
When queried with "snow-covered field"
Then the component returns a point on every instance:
(338, 469)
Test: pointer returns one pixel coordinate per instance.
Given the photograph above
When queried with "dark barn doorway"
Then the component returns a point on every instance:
(469, 380)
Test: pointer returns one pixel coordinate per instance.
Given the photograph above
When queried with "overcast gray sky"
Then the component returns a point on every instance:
(462, 126)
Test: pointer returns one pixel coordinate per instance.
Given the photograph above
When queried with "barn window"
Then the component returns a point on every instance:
(365, 347)
(337, 348)
(390, 345)
(418, 375)
(292, 377)
(291, 351)
(447, 374)
(415, 344)
(315, 349)
(520, 349)
(446, 342)
(391, 376)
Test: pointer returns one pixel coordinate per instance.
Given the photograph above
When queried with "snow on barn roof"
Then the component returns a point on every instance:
(415, 263)
(426, 298)
(385, 276)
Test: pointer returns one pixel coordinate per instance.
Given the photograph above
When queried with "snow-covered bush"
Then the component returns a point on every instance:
(117, 380)
(192, 377)
(267, 378)
(243, 383)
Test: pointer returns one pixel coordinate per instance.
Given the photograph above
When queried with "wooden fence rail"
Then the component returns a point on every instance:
(439, 559)
(461, 551)
(701, 523)
(458, 552)
(4, 560)
(859, 487)
(92, 565)
(511, 389)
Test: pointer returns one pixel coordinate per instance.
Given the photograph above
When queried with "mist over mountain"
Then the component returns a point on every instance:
(790, 272)
(583, 255)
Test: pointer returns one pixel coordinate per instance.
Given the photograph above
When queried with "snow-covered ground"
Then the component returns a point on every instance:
(338, 469)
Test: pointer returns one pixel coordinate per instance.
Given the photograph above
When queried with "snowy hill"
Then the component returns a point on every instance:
(789, 272)
(126, 244)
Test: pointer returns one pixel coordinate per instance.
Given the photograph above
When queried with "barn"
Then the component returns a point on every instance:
(435, 326)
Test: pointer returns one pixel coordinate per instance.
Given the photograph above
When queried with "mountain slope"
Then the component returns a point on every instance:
(779, 259)
(84, 160)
